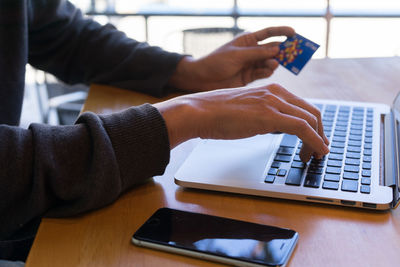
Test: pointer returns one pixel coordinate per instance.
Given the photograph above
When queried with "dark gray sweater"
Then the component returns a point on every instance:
(67, 170)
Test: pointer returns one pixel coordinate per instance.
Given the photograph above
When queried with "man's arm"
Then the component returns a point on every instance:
(67, 170)
(78, 49)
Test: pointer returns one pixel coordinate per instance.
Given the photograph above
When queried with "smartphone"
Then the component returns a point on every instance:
(214, 238)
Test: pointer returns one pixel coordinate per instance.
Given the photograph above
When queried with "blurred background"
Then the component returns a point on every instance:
(342, 28)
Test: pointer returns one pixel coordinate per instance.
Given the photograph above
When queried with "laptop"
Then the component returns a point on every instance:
(361, 169)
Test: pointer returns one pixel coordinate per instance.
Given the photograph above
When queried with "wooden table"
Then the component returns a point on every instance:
(329, 235)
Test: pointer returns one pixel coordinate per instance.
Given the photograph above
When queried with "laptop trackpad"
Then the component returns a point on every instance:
(228, 162)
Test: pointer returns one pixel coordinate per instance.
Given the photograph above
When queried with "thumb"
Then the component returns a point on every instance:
(257, 53)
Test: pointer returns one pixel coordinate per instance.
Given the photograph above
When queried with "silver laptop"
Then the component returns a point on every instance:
(361, 170)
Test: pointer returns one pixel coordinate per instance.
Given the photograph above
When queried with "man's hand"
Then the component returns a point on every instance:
(234, 64)
(244, 112)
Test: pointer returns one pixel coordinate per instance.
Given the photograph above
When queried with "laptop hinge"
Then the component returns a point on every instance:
(391, 156)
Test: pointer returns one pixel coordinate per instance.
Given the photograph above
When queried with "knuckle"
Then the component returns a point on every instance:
(275, 88)
(316, 112)
(302, 125)
(270, 98)
(314, 122)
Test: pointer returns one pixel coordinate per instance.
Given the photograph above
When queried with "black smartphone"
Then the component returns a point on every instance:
(224, 240)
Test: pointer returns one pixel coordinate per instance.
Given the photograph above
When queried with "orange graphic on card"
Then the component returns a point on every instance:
(291, 51)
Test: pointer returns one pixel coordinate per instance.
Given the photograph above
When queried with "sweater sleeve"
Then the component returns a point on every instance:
(66, 170)
(79, 50)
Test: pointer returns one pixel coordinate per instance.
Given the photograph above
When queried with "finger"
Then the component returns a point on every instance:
(271, 44)
(271, 64)
(300, 128)
(273, 31)
(256, 53)
(296, 111)
(268, 63)
(261, 73)
(315, 111)
(295, 100)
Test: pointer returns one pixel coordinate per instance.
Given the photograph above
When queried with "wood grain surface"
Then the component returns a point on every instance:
(328, 235)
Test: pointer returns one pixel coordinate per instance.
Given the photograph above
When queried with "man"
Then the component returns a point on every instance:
(67, 170)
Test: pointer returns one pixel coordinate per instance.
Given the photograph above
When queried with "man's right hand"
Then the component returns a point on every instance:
(245, 112)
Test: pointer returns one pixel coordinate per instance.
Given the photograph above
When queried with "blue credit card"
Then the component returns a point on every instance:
(295, 52)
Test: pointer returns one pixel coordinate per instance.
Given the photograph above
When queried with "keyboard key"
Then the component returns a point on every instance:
(341, 122)
(319, 106)
(294, 176)
(272, 171)
(368, 140)
(298, 164)
(367, 152)
(366, 173)
(356, 132)
(366, 166)
(368, 134)
(351, 168)
(282, 172)
(330, 185)
(312, 180)
(317, 162)
(332, 177)
(339, 139)
(355, 162)
(276, 164)
(289, 140)
(354, 149)
(354, 143)
(282, 158)
(340, 128)
(297, 158)
(336, 150)
(345, 109)
(366, 189)
(338, 133)
(355, 137)
(358, 109)
(285, 151)
(334, 163)
(269, 179)
(366, 181)
(353, 155)
(330, 108)
(357, 122)
(338, 144)
(333, 170)
(316, 170)
(335, 156)
(367, 158)
(350, 175)
(356, 127)
(350, 185)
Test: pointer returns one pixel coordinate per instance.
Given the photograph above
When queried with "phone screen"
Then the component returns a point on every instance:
(239, 240)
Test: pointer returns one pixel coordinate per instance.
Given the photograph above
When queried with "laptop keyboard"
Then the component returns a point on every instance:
(347, 167)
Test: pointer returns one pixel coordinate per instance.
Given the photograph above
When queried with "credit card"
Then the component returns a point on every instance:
(295, 52)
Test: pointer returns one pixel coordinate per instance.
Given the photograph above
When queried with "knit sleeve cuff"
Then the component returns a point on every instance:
(140, 140)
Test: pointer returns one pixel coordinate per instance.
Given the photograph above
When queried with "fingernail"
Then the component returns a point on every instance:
(326, 140)
(326, 150)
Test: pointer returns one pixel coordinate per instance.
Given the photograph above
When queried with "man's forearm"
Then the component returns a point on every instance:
(67, 170)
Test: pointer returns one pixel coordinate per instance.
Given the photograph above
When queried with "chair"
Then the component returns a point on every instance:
(56, 97)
